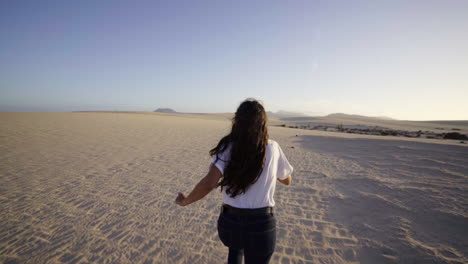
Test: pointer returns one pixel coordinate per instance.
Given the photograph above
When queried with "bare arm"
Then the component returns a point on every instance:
(203, 187)
(286, 181)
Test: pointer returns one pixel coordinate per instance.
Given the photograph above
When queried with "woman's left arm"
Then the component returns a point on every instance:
(205, 186)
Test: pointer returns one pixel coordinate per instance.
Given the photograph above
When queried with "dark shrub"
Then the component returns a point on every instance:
(455, 135)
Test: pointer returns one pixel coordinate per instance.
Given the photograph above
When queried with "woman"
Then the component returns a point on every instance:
(245, 165)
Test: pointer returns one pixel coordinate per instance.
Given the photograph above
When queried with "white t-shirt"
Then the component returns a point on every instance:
(260, 194)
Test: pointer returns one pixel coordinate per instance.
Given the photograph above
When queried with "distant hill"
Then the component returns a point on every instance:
(284, 114)
(165, 110)
(336, 117)
(347, 116)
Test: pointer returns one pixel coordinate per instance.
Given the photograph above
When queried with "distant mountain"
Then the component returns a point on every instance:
(347, 116)
(284, 114)
(165, 110)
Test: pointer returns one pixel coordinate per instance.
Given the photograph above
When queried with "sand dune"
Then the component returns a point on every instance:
(99, 187)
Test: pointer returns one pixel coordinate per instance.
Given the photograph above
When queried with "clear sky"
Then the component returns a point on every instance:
(403, 59)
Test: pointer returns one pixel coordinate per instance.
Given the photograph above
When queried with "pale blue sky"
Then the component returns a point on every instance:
(403, 59)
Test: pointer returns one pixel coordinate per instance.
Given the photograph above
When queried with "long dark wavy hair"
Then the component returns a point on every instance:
(248, 140)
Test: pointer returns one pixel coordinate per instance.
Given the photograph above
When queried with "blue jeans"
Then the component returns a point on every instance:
(251, 235)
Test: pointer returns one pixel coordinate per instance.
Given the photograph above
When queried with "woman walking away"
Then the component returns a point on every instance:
(245, 165)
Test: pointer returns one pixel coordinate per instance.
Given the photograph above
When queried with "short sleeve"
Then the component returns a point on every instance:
(220, 164)
(284, 168)
(220, 160)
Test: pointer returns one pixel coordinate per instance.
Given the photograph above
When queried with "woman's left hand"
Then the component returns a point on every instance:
(180, 199)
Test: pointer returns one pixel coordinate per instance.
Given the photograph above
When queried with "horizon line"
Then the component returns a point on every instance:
(383, 118)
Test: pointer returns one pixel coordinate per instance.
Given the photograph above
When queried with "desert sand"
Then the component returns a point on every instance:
(100, 188)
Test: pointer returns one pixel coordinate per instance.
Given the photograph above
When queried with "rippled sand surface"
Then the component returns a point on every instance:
(99, 187)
